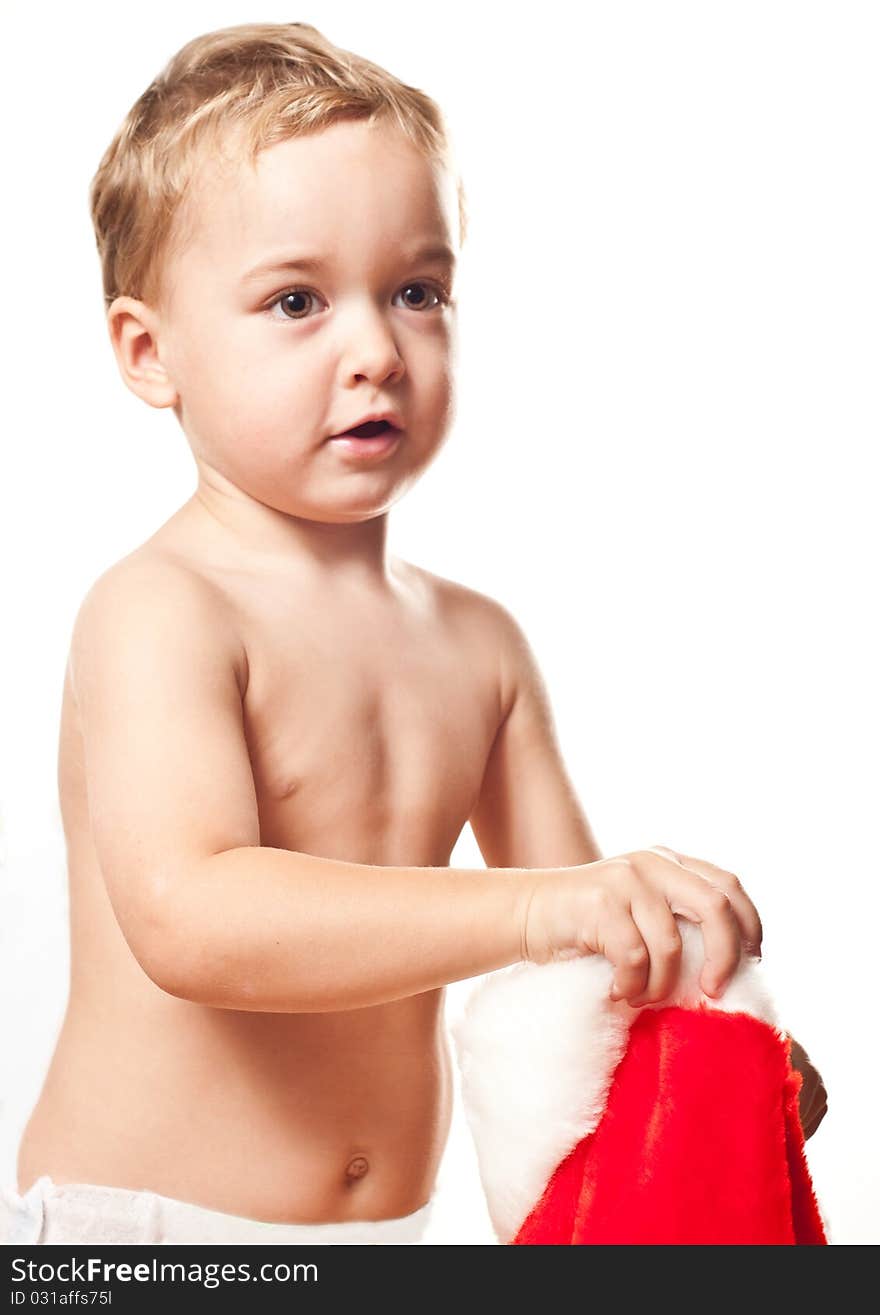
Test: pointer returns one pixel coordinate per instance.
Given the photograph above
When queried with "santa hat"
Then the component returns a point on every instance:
(598, 1123)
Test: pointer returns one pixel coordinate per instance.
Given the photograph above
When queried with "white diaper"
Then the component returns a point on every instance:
(79, 1213)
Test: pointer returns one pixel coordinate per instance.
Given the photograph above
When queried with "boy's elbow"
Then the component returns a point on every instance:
(182, 970)
(193, 977)
(157, 936)
(187, 944)
(190, 967)
(160, 953)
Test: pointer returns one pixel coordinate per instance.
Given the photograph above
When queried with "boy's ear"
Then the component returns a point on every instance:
(134, 334)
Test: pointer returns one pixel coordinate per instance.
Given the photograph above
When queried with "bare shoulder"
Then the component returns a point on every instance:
(479, 609)
(493, 628)
(150, 583)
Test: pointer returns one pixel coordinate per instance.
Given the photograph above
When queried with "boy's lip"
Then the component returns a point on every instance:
(367, 450)
(391, 417)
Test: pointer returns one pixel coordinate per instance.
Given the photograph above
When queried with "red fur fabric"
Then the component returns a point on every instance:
(700, 1142)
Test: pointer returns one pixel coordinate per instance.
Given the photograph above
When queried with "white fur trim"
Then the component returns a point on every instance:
(537, 1047)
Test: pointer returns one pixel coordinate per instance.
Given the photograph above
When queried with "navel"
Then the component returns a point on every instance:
(357, 1167)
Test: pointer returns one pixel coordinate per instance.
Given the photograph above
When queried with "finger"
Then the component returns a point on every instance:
(721, 940)
(624, 947)
(694, 898)
(659, 931)
(747, 916)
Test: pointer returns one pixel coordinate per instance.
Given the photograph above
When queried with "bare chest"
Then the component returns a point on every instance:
(368, 735)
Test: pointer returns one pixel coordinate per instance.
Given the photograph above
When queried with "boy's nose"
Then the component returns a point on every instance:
(371, 350)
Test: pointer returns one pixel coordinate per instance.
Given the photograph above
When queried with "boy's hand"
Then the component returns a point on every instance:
(812, 1097)
(624, 907)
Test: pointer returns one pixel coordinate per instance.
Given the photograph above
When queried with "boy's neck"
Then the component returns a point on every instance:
(335, 555)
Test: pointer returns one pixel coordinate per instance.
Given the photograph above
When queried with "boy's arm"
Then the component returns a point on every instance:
(210, 915)
(528, 814)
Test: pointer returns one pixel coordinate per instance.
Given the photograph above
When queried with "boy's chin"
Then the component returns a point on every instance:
(335, 517)
(345, 497)
(338, 512)
(352, 505)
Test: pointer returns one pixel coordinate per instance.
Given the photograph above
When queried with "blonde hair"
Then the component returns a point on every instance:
(270, 81)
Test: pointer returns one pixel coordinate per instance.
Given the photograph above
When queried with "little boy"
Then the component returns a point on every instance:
(273, 731)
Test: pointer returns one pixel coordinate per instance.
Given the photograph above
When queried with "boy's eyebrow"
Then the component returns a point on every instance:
(314, 264)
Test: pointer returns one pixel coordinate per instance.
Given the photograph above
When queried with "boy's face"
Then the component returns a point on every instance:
(266, 366)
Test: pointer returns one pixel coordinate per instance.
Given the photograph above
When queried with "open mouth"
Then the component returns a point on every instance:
(371, 429)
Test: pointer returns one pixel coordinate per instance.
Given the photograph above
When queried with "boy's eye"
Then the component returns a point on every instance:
(418, 295)
(434, 290)
(295, 303)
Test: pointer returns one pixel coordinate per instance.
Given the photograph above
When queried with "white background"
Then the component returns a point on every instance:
(663, 460)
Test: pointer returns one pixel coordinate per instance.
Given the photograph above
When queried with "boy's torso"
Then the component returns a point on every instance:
(368, 724)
